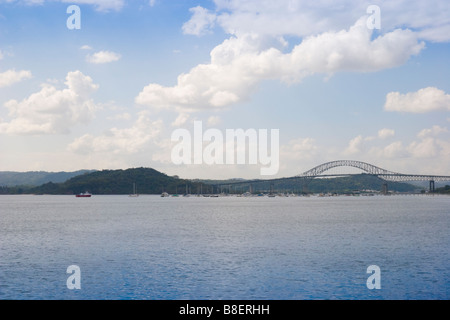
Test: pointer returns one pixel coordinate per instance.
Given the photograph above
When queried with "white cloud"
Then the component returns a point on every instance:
(425, 100)
(403, 156)
(394, 150)
(301, 148)
(433, 132)
(180, 120)
(52, 111)
(11, 77)
(201, 22)
(426, 148)
(240, 63)
(103, 57)
(430, 19)
(354, 146)
(120, 141)
(123, 116)
(213, 121)
(86, 47)
(386, 133)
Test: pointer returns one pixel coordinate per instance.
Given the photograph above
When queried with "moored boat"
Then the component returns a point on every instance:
(84, 195)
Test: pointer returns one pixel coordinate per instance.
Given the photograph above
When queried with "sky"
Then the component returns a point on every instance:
(106, 87)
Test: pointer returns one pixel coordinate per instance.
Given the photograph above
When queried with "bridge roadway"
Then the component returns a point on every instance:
(370, 169)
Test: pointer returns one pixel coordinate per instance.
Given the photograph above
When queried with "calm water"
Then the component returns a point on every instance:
(224, 248)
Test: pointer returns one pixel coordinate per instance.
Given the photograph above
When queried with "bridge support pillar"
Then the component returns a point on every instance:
(432, 186)
(385, 189)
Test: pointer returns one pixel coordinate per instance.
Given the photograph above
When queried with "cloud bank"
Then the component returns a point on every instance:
(423, 101)
(53, 111)
(240, 63)
(12, 76)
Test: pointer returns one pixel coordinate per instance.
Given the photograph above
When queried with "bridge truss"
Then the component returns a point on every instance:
(372, 170)
(318, 172)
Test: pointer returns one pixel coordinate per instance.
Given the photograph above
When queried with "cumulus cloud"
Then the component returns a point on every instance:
(425, 148)
(386, 133)
(240, 63)
(302, 18)
(299, 149)
(103, 57)
(354, 146)
(433, 132)
(12, 76)
(201, 22)
(425, 100)
(394, 150)
(180, 120)
(213, 121)
(120, 140)
(430, 143)
(53, 111)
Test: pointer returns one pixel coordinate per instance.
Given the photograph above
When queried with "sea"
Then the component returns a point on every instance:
(224, 248)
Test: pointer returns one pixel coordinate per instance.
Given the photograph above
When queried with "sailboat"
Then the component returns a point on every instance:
(135, 194)
(187, 192)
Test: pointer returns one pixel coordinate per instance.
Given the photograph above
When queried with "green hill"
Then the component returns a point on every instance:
(148, 181)
(336, 185)
(444, 190)
(36, 178)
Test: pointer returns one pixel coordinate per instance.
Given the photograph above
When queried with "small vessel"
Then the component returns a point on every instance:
(84, 195)
(135, 194)
(165, 194)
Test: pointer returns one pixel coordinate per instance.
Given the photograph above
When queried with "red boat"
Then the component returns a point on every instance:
(84, 195)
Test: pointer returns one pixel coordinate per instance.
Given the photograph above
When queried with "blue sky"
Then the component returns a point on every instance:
(109, 95)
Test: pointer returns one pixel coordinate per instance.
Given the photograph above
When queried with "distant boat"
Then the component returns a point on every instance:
(84, 195)
(165, 194)
(135, 194)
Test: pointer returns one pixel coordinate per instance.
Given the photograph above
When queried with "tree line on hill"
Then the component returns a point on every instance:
(150, 181)
(146, 180)
(443, 190)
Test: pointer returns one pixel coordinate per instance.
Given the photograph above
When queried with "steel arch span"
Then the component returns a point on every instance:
(369, 169)
(366, 167)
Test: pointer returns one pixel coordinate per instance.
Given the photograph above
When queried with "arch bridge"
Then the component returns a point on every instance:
(318, 172)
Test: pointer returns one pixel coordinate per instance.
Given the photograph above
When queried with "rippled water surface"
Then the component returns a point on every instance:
(289, 248)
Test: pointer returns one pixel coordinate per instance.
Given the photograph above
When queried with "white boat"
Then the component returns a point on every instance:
(135, 194)
(165, 195)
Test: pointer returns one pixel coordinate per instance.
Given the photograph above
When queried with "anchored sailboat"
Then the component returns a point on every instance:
(135, 194)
